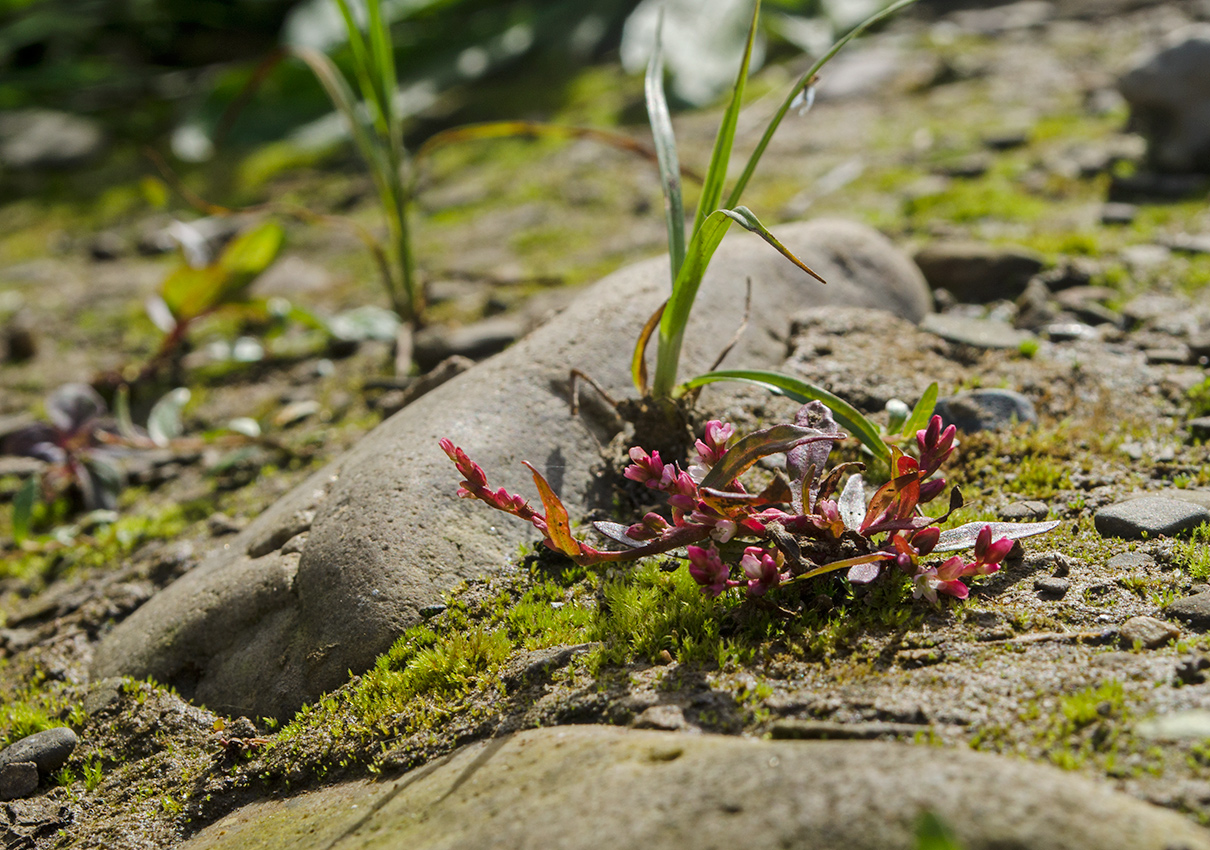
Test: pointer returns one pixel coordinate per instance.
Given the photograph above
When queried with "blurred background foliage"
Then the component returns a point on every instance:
(167, 72)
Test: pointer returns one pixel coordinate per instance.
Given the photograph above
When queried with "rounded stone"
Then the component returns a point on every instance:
(49, 749)
(985, 410)
(257, 630)
(581, 788)
(1148, 633)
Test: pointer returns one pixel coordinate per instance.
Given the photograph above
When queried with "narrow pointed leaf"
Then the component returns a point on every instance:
(964, 536)
(720, 157)
(769, 441)
(702, 245)
(616, 532)
(638, 362)
(922, 412)
(558, 525)
(845, 414)
(246, 257)
(665, 149)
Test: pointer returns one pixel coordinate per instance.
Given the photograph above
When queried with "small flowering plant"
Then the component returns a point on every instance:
(801, 526)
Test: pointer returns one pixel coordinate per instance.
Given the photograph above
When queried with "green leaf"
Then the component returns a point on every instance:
(716, 173)
(164, 421)
(665, 149)
(922, 412)
(190, 292)
(23, 508)
(246, 257)
(932, 833)
(702, 245)
(844, 413)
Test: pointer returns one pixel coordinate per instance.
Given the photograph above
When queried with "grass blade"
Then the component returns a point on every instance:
(23, 509)
(806, 80)
(702, 245)
(716, 174)
(844, 413)
(922, 412)
(665, 149)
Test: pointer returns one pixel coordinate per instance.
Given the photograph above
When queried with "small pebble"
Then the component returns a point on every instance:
(17, 780)
(1199, 428)
(1052, 588)
(977, 333)
(1118, 213)
(1148, 632)
(1191, 671)
(1194, 610)
(985, 410)
(1127, 561)
(1026, 511)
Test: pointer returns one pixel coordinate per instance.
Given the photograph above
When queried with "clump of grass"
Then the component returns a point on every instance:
(1193, 552)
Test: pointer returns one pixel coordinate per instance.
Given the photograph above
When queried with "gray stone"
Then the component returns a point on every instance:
(48, 749)
(1188, 243)
(1149, 516)
(985, 410)
(46, 139)
(18, 779)
(1128, 561)
(1117, 212)
(977, 333)
(477, 341)
(587, 787)
(1027, 511)
(1187, 725)
(1024, 14)
(1194, 610)
(1051, 587)
(1148, 632)
(254, 631)
(1169, 97)
(977, 273)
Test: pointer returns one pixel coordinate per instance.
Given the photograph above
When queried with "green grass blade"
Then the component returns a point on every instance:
(702, 245)
(799, 87)
(23, 509)
(716, 174)
(922, 412)
(360, 51)
(844, 413)
(665, 149)
(342, 98)
(382, 55)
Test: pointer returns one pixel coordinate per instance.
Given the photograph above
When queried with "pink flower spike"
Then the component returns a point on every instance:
(935, 445)
(762, 569)
(646, 469)
(952, 569)
(708, 570)
(987, 552)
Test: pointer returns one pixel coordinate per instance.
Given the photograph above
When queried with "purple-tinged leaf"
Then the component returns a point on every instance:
(964, 536)
(804, 462)
(37, 440)
(71, 406)
(769, 441)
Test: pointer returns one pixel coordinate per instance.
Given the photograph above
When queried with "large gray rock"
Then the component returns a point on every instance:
(588, 787)
(1169, 97)
(259, 630)
(976, 273)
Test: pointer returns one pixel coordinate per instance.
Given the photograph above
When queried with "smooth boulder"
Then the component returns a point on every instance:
(259, 629)
(588, 787)
(1169, 96)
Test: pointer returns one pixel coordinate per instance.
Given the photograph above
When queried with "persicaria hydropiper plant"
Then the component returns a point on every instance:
(797, 528)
